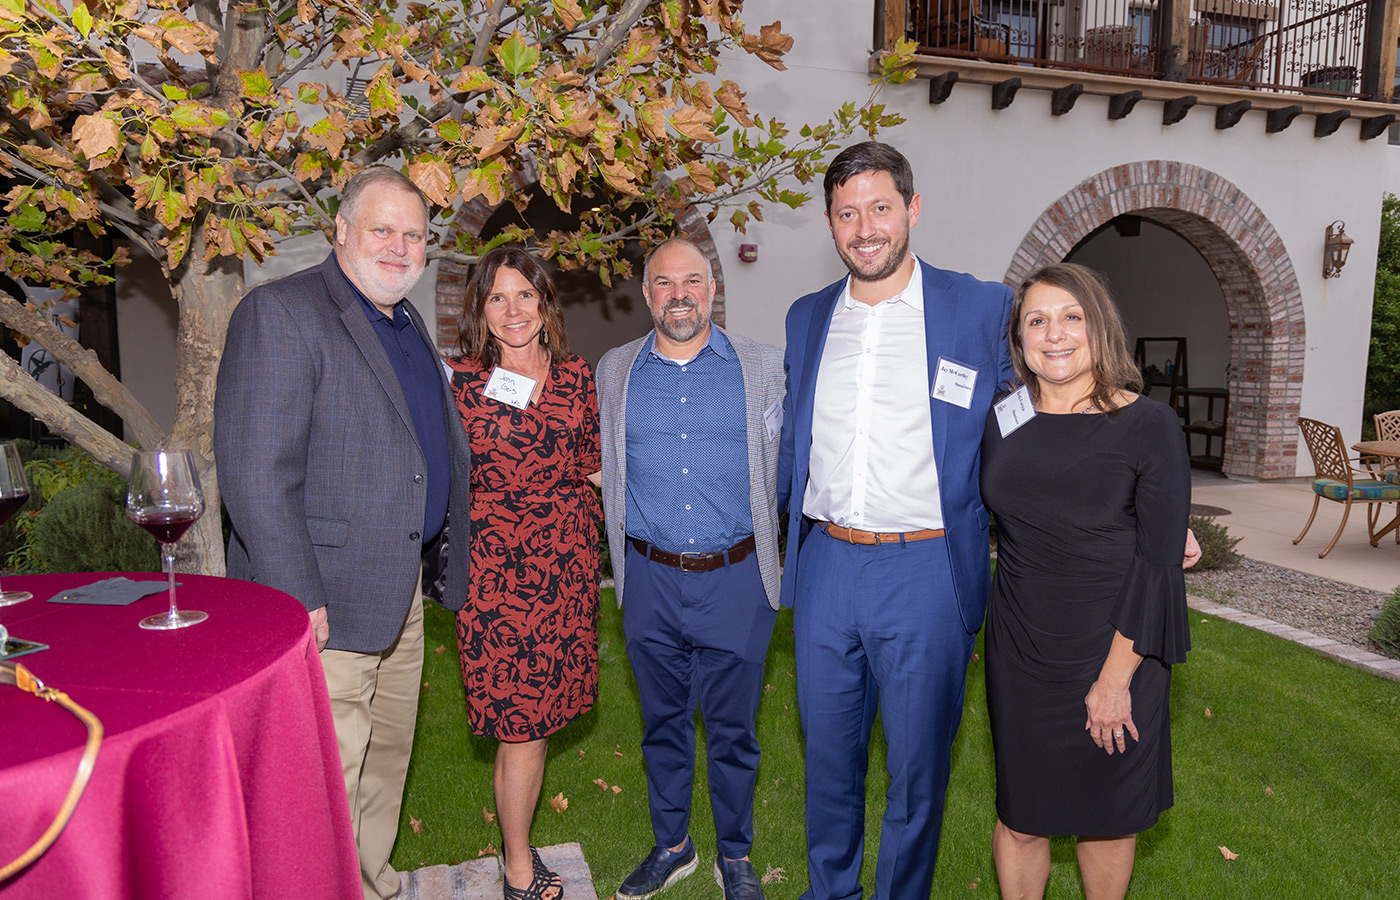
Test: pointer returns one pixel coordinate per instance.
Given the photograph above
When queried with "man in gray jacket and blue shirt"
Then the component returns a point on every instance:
(340, 453)
(690, 422)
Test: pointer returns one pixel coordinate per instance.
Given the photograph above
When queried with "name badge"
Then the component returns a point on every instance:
(954, 383)
(773, 418)
(1014, 410)
(510, 388)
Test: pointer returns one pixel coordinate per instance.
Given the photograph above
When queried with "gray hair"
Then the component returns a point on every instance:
(363, 179)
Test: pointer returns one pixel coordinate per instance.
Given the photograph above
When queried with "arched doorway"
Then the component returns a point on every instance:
(1249, 262)
(477, 217)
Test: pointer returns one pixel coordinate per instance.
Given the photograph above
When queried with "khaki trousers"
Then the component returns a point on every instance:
(374, 702)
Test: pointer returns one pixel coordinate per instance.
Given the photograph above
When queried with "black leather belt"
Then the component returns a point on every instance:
(697, 562)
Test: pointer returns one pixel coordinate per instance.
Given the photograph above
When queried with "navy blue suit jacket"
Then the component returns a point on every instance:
(965, 321)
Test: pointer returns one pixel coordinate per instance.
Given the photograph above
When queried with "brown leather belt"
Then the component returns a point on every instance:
(870, 538)
(697, 562)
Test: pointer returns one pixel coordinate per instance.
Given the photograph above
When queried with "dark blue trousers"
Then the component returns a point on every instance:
(698, 639)
(877, 628)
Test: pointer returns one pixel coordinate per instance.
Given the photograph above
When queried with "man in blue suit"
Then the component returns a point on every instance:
(891, 373)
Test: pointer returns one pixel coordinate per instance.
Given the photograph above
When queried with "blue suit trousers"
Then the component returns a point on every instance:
(698, 639)
(877, 627)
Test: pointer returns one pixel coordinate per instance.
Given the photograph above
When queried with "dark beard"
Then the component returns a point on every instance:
(891, 266)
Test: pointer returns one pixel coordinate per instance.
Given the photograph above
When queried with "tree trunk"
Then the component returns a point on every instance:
(207, 294)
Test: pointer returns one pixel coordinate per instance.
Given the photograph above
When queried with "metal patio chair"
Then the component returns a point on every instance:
(1338, 480)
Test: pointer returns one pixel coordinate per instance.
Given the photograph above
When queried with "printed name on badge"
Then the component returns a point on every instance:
(510, 388)
(954, 383)
(1014, 410)
(773, 418)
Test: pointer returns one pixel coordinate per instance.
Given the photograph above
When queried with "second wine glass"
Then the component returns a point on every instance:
(165, 499)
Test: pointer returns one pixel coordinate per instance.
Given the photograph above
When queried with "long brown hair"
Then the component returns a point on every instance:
(1113, 366)
(475, 340)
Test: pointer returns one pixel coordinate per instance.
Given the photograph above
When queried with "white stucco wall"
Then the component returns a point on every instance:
(985, 177)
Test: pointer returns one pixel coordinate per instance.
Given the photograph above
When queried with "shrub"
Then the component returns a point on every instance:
(1386, 632)
(84, 528)
(1217, 546)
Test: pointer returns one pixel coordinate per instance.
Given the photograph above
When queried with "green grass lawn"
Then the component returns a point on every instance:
(1296, 769)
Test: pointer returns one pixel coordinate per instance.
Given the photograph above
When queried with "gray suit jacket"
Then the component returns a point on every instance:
(319, 463)
(763, 391)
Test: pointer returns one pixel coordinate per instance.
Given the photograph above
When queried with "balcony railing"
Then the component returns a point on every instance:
(1296, 46)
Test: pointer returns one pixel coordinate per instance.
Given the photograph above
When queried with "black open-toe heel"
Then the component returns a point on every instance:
(545, 885)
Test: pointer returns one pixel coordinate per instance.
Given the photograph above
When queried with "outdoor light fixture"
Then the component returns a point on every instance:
(1335, 250)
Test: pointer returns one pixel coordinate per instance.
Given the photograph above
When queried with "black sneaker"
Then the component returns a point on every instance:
(738, 879)
(661, 869)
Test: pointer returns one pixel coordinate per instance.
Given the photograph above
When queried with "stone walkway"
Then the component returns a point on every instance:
(1345, 653)
(480, 879)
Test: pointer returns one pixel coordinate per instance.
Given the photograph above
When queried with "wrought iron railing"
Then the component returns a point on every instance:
(1300, 46)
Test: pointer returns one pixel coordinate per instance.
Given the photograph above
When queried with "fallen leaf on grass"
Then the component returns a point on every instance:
(976, 657)
(1225, 852)
(616, 789)
(581, 753)
(619, 754)
(415, 824)
(788, 674)
(773, 876)
(440, 648)
(777, 781)
(1208, 715)
(1268, 791)
(558, 803)
(487, 816)
(767, 688)
(602, 785)
(488, 850)
(423, 688)
(1203, 621)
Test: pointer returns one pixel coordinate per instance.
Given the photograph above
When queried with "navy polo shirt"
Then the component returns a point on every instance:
(420, 378)
(687, 450)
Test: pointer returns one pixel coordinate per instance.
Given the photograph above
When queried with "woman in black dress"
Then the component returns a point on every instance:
(1088, 607)
(528, 635)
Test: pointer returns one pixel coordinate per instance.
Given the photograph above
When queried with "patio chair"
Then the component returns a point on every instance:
(1387, 425)
(1337, 480)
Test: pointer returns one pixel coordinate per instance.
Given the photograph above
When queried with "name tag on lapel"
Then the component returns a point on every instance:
(773, 418)
(954, 383)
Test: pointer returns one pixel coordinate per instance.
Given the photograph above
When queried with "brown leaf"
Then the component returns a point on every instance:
(1268, 791)
(434, 179)
(767, 688)
(581, 753)
(488, 850)
(487, 816)
(602, 785)
(1225, 852)
(732, 99)
(440, 648)
(619, 754)
(975, 657)
(415, 824)
(98, 137)
(424, 687)
(616, 789)
(558, 803)
(773, 876)
(1208, 715)
(700, 174)
(694, 124)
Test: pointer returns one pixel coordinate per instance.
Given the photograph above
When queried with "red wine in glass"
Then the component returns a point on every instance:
(14, 491)
(165, 499)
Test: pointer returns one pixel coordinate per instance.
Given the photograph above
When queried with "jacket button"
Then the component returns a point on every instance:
(417, 479)
(413, 535)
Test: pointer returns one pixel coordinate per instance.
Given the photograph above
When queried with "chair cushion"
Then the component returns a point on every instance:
(1361, 490)
(1392, 477)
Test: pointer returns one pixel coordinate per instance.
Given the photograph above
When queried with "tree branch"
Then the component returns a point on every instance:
(106, 390)
(617, 33)
(26, 393)
(483, 34)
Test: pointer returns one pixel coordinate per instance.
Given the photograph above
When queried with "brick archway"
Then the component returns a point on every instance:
(452, 278)
(1249, 261)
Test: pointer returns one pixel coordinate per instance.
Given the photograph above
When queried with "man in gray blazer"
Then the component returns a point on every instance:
(340, 451)
(690, 421)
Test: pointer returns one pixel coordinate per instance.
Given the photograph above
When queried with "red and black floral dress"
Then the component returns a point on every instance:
(528, 635)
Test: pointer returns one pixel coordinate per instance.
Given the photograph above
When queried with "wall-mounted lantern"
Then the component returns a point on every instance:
(1335, 249)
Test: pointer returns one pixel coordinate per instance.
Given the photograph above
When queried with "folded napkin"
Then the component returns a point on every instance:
(117, 591)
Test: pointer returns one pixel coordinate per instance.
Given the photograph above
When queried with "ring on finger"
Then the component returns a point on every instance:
(1118, 734)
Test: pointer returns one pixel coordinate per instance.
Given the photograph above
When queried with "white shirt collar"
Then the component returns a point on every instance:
(912, 295)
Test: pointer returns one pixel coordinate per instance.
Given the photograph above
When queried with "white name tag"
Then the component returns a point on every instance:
(773, 418)
(1014, 410)
(510, 388)
(954, 383)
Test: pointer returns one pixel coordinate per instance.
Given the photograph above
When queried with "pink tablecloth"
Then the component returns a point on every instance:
(218, 776)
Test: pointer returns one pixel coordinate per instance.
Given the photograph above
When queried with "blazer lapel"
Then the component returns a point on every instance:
(352, 314)
(940, 340)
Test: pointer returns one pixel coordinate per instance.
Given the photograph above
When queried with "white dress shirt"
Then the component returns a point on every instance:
(872, 463)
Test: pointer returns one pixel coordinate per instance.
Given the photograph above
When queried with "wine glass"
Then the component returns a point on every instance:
(14, 493)
(165, 499)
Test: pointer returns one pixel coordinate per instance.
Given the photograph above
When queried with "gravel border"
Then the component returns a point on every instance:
(1325, 607)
